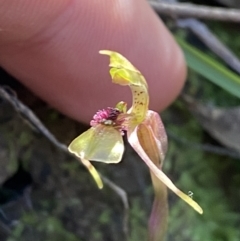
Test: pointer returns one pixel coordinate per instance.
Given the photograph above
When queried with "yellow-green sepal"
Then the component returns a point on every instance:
(100, 143)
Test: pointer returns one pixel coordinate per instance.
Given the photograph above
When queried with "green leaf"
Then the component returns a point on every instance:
(210, 68)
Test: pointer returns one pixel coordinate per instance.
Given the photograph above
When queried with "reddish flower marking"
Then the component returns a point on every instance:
(110, 117)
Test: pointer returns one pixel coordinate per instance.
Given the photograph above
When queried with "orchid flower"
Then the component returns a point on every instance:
(103, 142)
(145, 131)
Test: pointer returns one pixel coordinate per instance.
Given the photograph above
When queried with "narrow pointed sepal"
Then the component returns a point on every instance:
(133, 138)
(93, 172)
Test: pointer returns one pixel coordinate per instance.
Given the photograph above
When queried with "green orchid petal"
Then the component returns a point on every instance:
(118, 61)
(100, 143)
(126, 77)
(124, 73)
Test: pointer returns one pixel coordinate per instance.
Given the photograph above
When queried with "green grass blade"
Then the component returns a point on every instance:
(210, 68)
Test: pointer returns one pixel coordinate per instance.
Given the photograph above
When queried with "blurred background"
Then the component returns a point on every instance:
(45, 194)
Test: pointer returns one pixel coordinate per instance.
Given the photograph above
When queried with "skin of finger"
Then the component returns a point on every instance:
(59, 60)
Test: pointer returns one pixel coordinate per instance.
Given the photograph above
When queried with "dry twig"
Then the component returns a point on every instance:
(124, 197)
(196, 11)
(207, 37)
(211, 41)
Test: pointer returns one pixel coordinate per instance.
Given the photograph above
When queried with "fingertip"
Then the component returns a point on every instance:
(62, 65)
